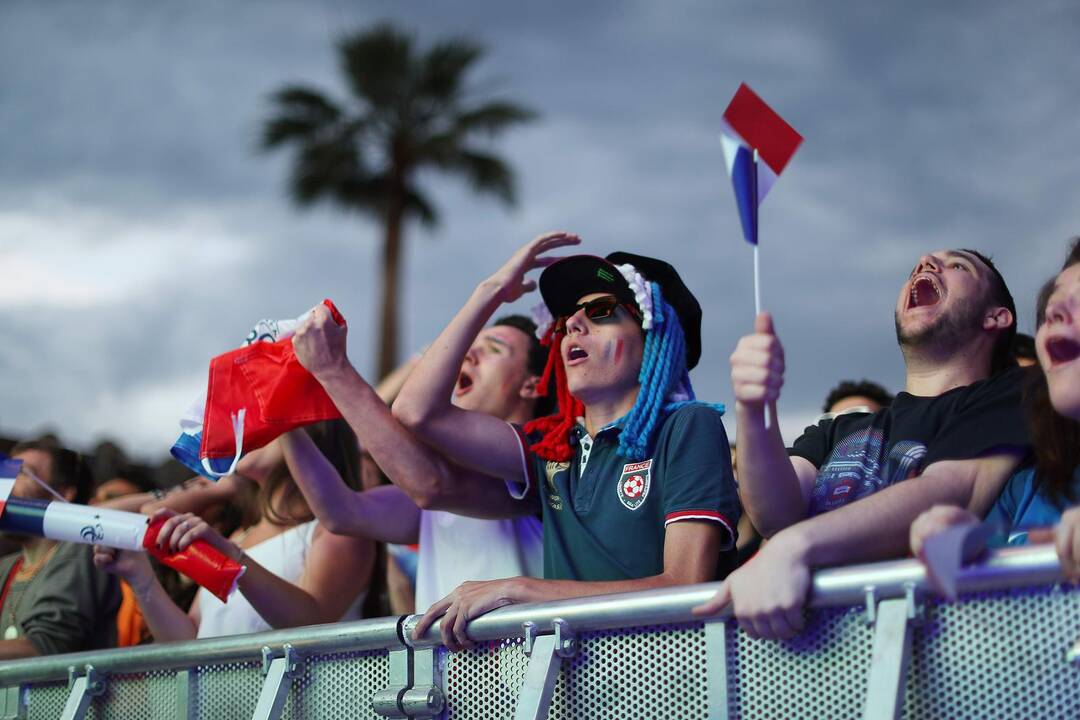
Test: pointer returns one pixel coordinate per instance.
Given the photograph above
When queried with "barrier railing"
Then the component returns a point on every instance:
(876, 645)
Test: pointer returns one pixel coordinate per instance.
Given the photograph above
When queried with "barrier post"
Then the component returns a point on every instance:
(545, 653)
(12, 703)
(185, 695)
(279, 672)
(716, 635)
(84, 688)
(891, 655)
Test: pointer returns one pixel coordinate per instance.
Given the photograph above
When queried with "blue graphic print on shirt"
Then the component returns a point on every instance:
(855, 468)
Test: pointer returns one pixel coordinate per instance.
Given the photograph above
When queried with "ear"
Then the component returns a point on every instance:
(528, 388)
(998, 318)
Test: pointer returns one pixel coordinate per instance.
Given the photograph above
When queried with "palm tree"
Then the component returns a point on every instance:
(406, 111)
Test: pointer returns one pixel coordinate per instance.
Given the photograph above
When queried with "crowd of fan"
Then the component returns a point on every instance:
(566, 455)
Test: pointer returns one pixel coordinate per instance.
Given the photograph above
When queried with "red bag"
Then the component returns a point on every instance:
(256, 393)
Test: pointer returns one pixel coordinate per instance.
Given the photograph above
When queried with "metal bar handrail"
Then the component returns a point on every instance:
(374, 634)
(1002, 569)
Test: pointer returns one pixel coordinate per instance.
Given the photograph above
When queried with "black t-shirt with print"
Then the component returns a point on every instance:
(861, 453)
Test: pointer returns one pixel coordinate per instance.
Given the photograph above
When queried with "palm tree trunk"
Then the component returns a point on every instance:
(391, 273)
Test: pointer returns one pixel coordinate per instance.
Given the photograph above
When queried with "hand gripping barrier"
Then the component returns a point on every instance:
(876, 645)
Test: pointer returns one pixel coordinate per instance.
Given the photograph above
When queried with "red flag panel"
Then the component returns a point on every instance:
(762, 129)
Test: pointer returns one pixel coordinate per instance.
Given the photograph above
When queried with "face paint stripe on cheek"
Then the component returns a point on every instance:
(613, 352)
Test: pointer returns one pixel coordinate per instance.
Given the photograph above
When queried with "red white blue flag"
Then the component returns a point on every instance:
(254, 394)
(750, 125)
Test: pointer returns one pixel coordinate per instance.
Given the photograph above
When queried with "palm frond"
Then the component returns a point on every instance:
(366, 193)
(377, 64)
(321, 168)
(303, 113)
(485, 173)
(417, 205)
(443, 69)
(493, 117)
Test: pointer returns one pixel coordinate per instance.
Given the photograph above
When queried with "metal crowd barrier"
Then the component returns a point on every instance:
(876, 646)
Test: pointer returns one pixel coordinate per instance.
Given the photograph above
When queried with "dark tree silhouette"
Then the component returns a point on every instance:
(407, 110)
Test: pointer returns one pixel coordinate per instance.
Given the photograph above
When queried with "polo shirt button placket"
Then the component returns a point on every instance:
(586, 446)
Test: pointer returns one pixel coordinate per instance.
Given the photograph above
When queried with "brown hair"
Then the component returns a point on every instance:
(338, 443)
(1056, 438)
(1002, 357)
(69, 468)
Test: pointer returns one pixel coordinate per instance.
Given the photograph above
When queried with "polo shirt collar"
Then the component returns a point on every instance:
(579, 431)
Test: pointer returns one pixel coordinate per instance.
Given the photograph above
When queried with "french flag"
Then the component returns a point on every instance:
(750, 125)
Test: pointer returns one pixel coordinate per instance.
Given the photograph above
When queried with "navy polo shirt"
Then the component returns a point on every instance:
(608, 522)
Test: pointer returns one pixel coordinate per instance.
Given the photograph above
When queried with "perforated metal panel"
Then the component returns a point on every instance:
(634, 673)
(999, 655)
(145, 696)
(485, 681)
(46, 701)
(820, 674)
(338, 686)
(227, 692)
(656, 672)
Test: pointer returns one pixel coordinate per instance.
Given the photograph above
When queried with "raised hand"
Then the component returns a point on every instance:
(319, 343)
(757, 365)
(510, 280)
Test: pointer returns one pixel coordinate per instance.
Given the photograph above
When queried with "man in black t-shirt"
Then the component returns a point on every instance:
(954, 436)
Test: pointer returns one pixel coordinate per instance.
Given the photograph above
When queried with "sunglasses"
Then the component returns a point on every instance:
(602, 308)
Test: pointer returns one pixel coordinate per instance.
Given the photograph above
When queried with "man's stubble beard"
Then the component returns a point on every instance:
(952, 330)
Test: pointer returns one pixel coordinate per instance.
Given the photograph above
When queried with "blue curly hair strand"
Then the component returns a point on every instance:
(665, 381)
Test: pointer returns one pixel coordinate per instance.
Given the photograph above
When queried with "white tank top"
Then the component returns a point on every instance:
(284, 555)
(455, 548)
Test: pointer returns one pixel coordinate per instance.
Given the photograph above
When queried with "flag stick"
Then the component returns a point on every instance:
(757, 284)
(770, 415)
(757, 266)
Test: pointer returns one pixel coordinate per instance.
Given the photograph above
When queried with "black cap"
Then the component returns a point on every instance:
(565, 282)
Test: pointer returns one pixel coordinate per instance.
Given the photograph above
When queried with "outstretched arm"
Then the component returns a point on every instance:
(769, 592)
(193, 495)
(427, 479)
(773, 488)
(472, 439)
(336, 569)
(383, 513)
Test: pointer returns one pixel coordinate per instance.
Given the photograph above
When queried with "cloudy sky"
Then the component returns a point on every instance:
(141, 233)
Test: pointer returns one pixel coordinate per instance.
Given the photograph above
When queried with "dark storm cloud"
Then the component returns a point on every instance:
(927, 126)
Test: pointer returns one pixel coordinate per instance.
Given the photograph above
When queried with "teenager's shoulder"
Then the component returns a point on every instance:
(691, 426)
(697, 409)
(694, 414)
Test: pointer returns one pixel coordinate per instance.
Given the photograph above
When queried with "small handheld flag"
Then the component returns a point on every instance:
(752, 131)
(254, 394)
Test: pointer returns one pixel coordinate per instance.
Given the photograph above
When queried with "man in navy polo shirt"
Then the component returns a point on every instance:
(633, 477)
